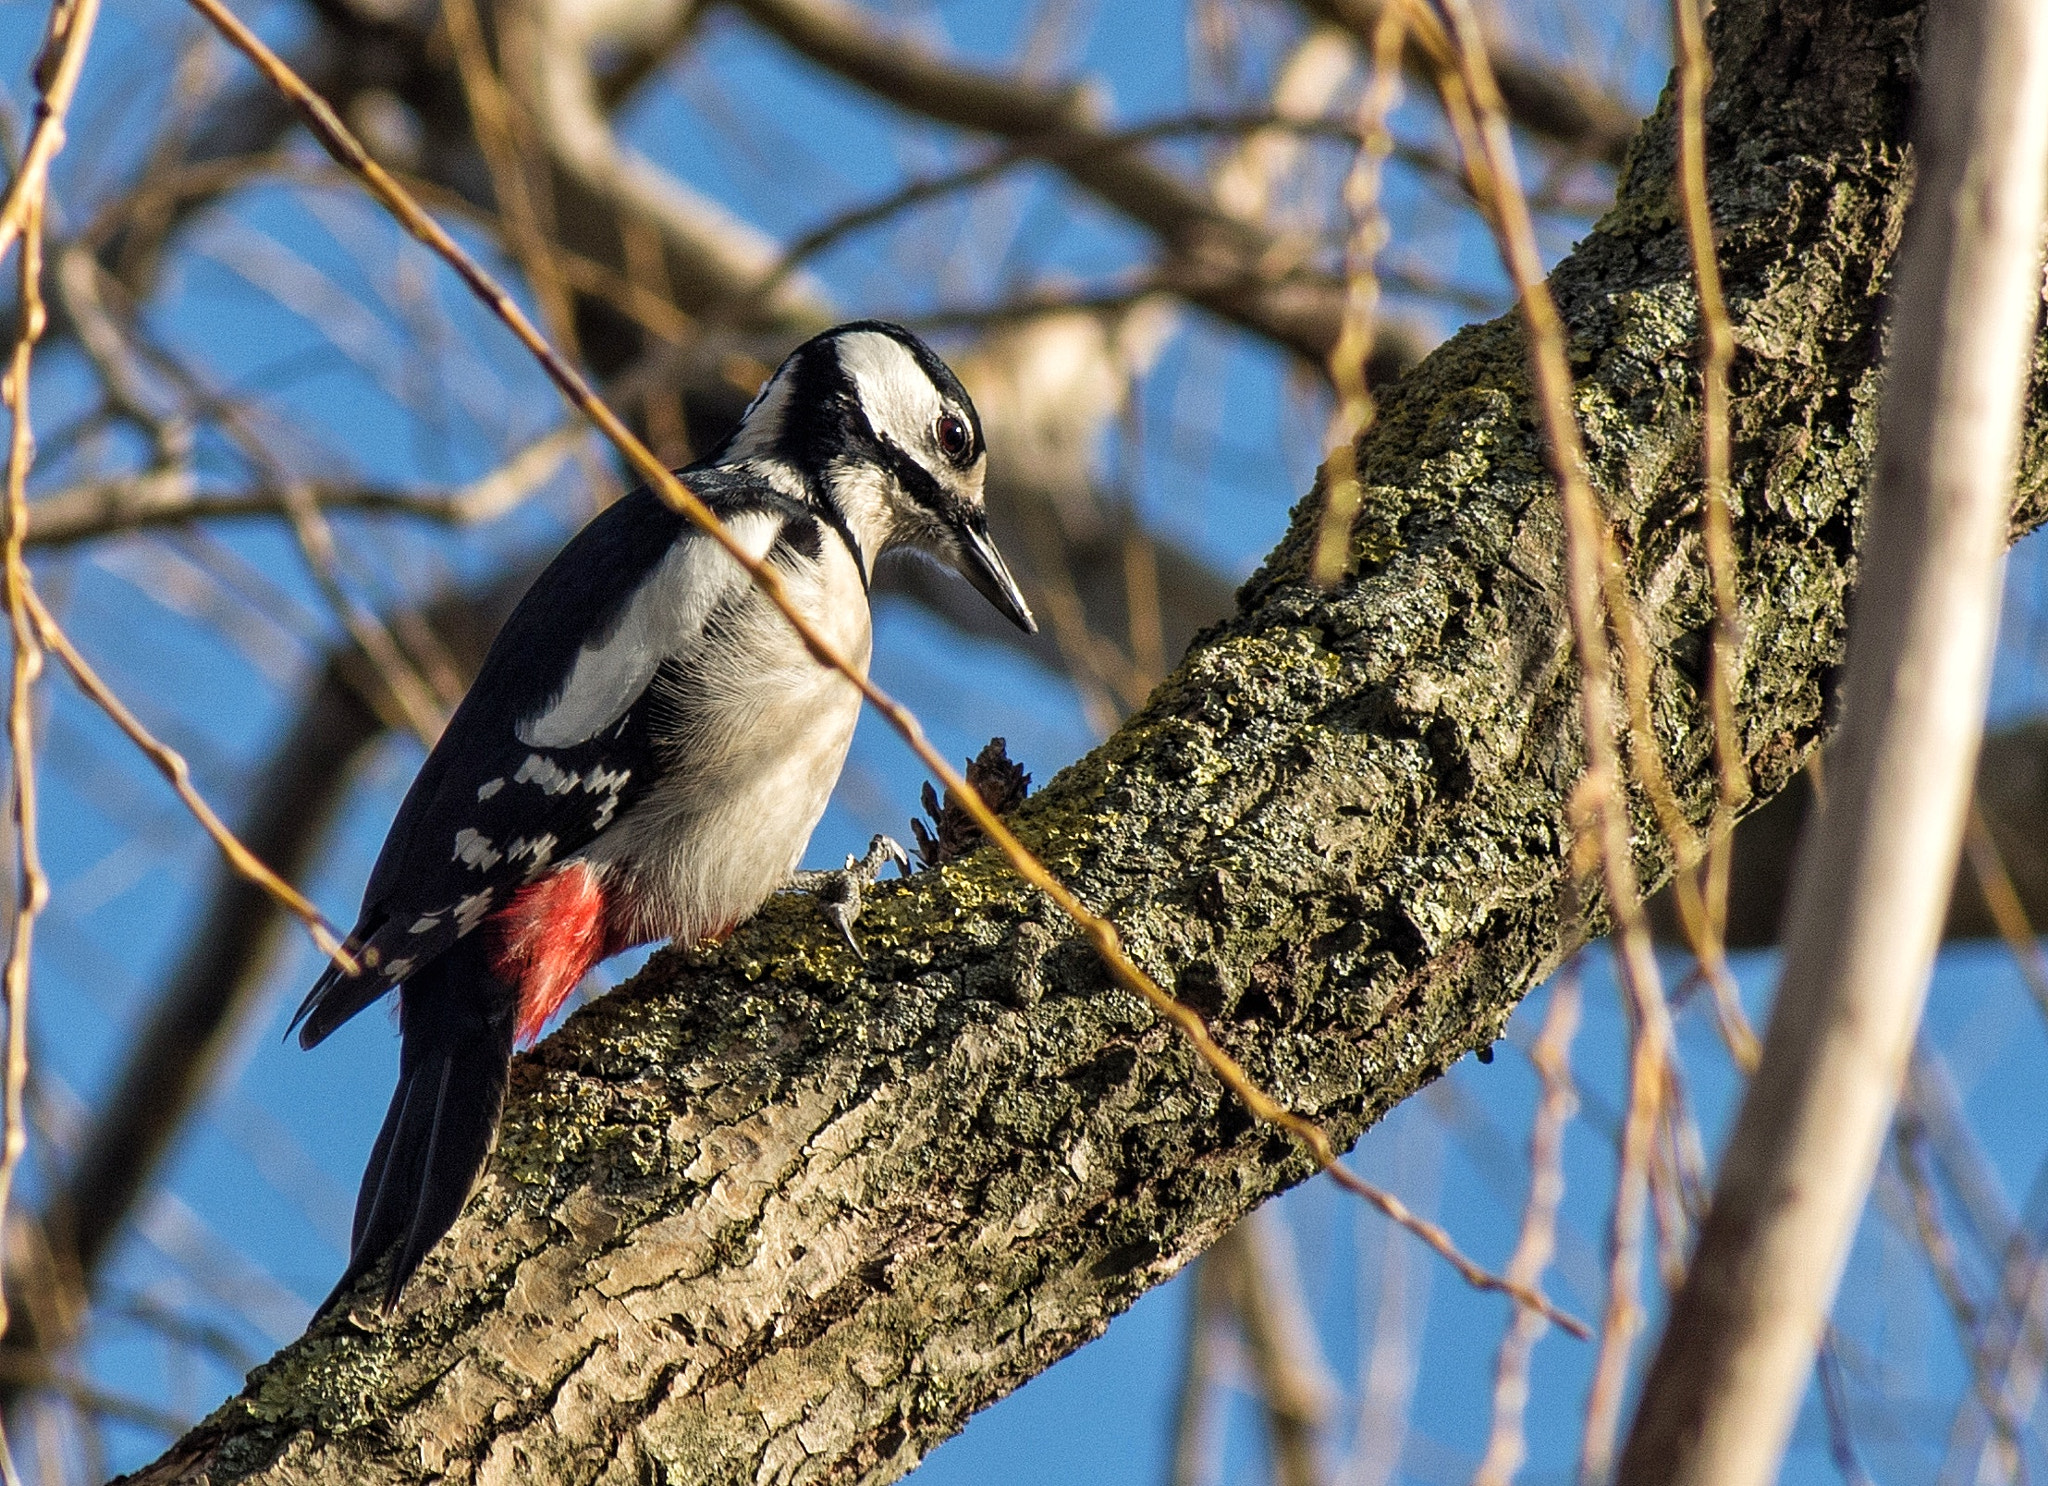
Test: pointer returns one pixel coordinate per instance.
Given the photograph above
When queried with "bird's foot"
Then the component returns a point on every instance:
(839, 891)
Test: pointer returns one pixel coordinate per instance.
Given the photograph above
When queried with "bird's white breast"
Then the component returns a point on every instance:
(765, 734)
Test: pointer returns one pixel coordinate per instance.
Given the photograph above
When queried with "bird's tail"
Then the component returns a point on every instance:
(455, 1021)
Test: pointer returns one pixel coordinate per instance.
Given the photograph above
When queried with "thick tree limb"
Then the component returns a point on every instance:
(769, 1214)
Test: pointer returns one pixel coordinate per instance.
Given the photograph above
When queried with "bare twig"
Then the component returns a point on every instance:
(1353, 413)
(2007, 911)
(1102, 935)
(1720, 1398)
(171, 764)
(1194, 1417)
(1549, 101)
(490, 106)
(2005, 1364)
(1936, 1106)
(1287, 1367)
(57, 68)
(422, 707)
(101, 508)
(1910, 1142)
(1717, 356)
(997, 163)
(1834, 1396)
(1506, 1447)
(1233, 267)
(21, 218)
(1472, 100)
(32, 888)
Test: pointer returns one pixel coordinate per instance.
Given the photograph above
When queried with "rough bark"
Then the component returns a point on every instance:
(773, 1214)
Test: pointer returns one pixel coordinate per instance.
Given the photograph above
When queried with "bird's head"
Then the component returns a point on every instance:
(869, 418)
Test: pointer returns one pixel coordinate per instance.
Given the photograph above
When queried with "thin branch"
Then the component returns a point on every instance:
(56, 70)
(64, 51)
(1472, 100)
(1506, 1446)
(835, 229)
(130, 503)
(1233, 267)
(422, 707)
(1349, 358)
(1549, 101)
(1910, 1141)
(171, 764)
(1194, 1461)
(32, 888)
(1102, 935)
(2003, 899)
(1834, 1397)
(1288, 1372)
(1717, 356)
(2005, 1364)
(491, 109)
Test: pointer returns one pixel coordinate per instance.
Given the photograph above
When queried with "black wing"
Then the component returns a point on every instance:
(489, 812)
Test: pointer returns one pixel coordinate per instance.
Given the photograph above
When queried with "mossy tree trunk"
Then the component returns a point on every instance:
(773, 1214)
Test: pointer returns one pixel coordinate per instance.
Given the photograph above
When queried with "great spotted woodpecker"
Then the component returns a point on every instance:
(646, 749)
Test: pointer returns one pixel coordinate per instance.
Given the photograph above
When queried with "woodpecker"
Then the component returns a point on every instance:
(646, 749)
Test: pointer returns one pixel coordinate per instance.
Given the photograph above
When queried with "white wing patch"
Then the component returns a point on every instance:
(663, 618)
(901, 402)
(476, 849)
(470, 911)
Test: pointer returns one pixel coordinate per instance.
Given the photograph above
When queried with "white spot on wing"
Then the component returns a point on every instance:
(399, 969)
(545, 772)
(470, 911)
(477, 850)
(540, 848)
(607, 782)
(664, 617)
(426, 923)
(490, 787)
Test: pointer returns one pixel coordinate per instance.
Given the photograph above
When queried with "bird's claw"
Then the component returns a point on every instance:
(839, 891)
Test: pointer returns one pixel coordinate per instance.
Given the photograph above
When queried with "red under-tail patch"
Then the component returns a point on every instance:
(547, 938)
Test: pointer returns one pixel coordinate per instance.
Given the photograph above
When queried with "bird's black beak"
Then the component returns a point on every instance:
(984, 567)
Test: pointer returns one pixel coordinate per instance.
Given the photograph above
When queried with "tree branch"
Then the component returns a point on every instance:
(769, 1212)
(1230, 265)
(1738, 1348)
(1551, 102)
(2011, 789)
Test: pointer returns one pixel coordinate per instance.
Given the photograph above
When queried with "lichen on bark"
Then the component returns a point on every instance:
(770, 1213)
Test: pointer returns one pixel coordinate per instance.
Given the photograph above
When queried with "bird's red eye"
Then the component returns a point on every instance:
(954, 440)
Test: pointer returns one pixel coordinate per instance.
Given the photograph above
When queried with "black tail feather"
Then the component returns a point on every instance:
(456, 1019)
(333, 1000)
